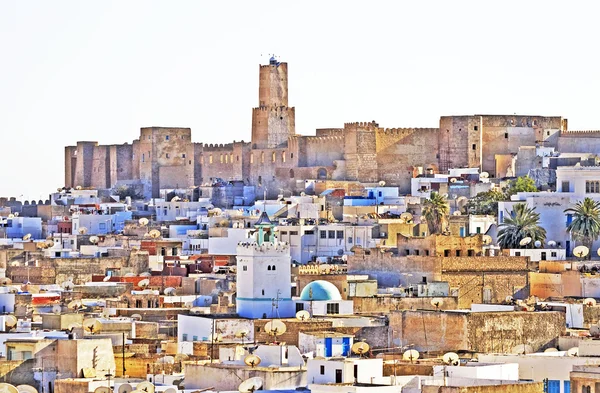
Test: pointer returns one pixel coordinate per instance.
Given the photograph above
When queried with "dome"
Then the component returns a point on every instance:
(320, 290)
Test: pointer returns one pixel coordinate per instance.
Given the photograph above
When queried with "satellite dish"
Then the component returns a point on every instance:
(252, 360)
(242, 334)
(143, 221)
(16, 214)
(68, 285)
(10, 216)
(170, 390)
(129, 274)
(522, 349)
(484, 175)
(382, 183)
(573, 352)
(411, 354)
(525, 241)
(103, 389)
(437, 302)
(27, 237)
(78, 188)
(216, 338)
(145, 386)
(144, 283)
(83, 230)
(360, 348)
(136, 317)
(275, 328)
(145, 274)
(551, 350)
(50, 243)
(509, 299)
(169, 291)
(94, 239)
(407, 217)
(581, 251)
(106, 279)
(166, 360)
(251, 385)
(125, 388)
(91, 325)
(196, 310)
(486, 239)
(451, 359)
(56, 309)
(457, 213)
(453, 180)
(552, 243)
(537, 243)
(26, 389)
(4, 281)
(303, 315)
(10, 321)
(589, 302)
(154, 234)
(7, 388)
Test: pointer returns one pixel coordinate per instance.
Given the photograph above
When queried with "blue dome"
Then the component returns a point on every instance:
(320, 290)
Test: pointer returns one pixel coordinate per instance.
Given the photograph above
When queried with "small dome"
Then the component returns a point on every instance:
(320, 290)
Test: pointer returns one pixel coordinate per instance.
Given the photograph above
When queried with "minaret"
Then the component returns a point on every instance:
(273, 122)
(264, 288)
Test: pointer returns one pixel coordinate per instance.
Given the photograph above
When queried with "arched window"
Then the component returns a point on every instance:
(273, 267)
(273, 157)
(269, 267)
(210, 159)
(226, 158)
(322, 174)
(251, 158)
(260, 181)
(283, 156)
(291, 173)
(292, 155)
(221, 158)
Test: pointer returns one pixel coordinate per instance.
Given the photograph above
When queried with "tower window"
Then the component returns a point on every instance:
(210, 159)
(166, 137)
(269, 267)
(506, 135)
(474, 146)
(476, 128)
(273, 267)
(221, 158)
(182, 155)
(168, 155)
(273, 157)
(283, 156)
(143, 157)
(237, 158)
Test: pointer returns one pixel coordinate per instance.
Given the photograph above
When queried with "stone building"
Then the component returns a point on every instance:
(278, 160)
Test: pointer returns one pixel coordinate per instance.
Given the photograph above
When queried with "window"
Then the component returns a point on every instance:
(102, 226)
(506, 135)
(273, 157)
(190, 162)
(143, 157)
(407, 252)
(592, 186)
(210, 159)
(184, 337)
(446, 253)
(251, 158)
(237, 158)
(487, 295)
(269, 267)
(333, 308)
(291, 155)
(274, 267)
(293, 233)
(245, 268)
(322, 370)
(470, 253)
(323, 234)
(416, 252)
(427, 252)
(221, 158)
(457, 253)
(282, 156)
(263, 292)
(194, 338)
(309, 232)
(553, 254)
(340, 235)
(331, 234)
(183, 155)
(167, 155)
(474, 146)
(548, 133)
(476, 128)
(166, 137)
(517, 253)
(349, 239)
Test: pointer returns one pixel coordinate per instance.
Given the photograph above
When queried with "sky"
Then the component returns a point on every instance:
(100, 70)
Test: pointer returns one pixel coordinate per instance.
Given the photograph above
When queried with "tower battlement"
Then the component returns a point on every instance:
(265, 249)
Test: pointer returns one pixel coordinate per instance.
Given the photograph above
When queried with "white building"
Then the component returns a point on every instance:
(540, 254)
(321, 298)
(180, 210)
(17, 227)
(325, 344)
(264, 288)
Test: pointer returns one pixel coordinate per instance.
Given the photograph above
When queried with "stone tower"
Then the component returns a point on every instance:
(272, 121)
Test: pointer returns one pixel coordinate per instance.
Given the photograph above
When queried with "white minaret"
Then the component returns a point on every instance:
(264, 288)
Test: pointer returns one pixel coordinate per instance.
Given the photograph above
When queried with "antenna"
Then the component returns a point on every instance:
(251, 385)
(411, 354)
(4, 281)
(166, 360)
(451, 359)
(10, 321)
(407, 217)
(196, 310)
(303, 315)
(252, 360)
(360, 348)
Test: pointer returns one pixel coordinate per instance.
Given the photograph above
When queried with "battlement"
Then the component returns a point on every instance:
(319, 139)
(595, 133)
(368, 125)
(276, 109)
(406, 130)
(219, 147)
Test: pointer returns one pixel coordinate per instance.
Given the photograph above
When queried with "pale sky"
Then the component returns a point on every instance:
(85, 70)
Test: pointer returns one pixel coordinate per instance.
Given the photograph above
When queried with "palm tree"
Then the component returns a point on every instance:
(586, 222)
(521, 222)
(435, 211)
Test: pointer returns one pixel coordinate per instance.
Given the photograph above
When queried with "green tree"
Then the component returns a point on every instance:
(127, 191)
(585, 226)
(485, 203)
(435, 211)
(521, 184)
(520, 223)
